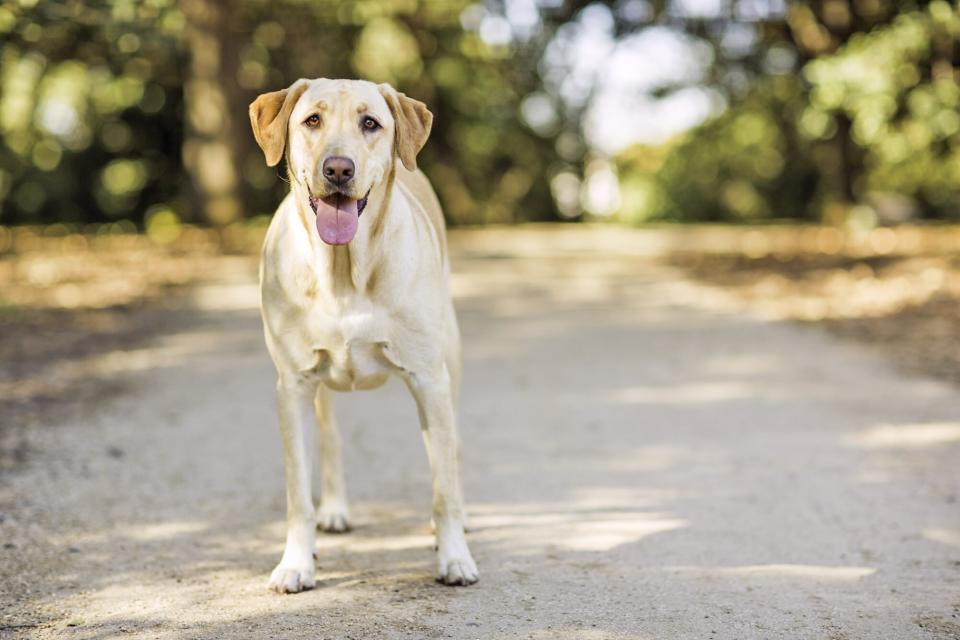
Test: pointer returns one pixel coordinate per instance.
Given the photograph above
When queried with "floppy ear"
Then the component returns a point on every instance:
(269, 114)
(412, 123)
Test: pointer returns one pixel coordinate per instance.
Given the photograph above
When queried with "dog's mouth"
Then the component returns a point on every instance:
(337, 216)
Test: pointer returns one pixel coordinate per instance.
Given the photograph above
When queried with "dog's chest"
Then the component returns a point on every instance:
(351, 352)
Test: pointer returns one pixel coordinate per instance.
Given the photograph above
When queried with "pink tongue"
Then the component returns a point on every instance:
(337, 219)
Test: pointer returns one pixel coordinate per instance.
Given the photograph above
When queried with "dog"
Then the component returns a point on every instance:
(354, 287)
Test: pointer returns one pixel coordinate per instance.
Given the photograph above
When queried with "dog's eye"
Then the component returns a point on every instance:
(370, 124)
(313, 120)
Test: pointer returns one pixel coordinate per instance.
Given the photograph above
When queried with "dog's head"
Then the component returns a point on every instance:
(341, 139)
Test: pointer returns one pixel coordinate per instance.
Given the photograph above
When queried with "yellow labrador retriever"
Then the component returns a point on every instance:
(354, 288)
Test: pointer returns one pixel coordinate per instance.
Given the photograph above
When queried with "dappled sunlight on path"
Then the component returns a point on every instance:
(642, 459)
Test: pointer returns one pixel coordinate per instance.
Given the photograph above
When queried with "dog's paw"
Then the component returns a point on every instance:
(457, 571)
(289, 579)
(334, 519)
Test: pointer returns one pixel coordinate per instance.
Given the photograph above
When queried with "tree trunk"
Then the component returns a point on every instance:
(213, 148)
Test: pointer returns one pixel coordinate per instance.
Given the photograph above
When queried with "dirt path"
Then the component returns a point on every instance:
(643, 460)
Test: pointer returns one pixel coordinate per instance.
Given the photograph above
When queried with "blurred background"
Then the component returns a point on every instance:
(646, 199)
(840, 111)
(811, 150)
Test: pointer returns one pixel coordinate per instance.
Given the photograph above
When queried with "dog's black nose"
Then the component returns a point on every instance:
(339, 170)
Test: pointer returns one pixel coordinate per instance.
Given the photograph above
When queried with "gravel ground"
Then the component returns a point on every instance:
(646, 456)
(905, 307)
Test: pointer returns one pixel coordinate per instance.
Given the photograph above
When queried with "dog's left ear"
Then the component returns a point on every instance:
(412, 123)
(269, 114)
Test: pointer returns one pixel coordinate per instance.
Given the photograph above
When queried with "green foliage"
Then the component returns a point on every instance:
(135, 110)
(105, 111)
(89, 93)
(898, 87)
(877, 116)
(746, 165)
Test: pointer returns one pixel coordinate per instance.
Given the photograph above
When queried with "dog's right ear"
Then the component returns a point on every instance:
(269, 114)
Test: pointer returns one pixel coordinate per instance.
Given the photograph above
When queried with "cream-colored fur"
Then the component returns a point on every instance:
(347, 317)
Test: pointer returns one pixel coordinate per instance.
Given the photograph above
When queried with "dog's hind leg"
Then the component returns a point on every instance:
(333, 515)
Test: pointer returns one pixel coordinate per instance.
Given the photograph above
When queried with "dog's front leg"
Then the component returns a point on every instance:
(296, 569)
(455, 565)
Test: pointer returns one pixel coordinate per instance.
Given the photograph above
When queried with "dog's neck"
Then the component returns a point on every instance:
(351, 268)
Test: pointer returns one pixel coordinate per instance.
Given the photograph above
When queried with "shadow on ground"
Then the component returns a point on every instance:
(642, 460)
